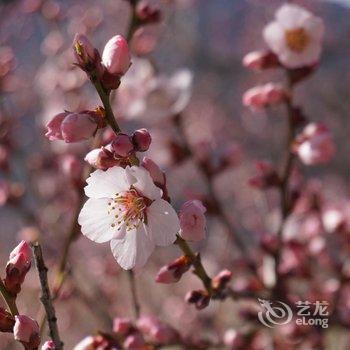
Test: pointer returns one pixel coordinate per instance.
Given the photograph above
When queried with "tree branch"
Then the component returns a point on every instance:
(46, 295)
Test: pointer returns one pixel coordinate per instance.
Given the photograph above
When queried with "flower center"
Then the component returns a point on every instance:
(297, 39)
(128, 208)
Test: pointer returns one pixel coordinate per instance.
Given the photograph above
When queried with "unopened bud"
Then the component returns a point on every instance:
(220, 281)
(17, 267)
(157, 175)
(26, 330)
(259, 60)
(172, 272)
(200, 298)
(122, 145)
(141, 139)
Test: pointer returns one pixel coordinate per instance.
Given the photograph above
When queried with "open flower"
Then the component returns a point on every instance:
(126, 208)
(315, 144)
(295, 36)
(152, 97)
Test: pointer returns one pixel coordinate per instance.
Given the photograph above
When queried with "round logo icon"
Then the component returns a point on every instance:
(274, 313)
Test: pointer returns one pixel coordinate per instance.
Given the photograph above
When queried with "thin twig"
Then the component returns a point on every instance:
(9, 299)
(283, 188)
(135, 300)
(46, 296)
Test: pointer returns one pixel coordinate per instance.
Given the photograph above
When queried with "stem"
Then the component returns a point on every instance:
(104, 96)
(9, 299)
(135, 301)
(199, 269)
(134, 22)
(46, 296)
(283, 188)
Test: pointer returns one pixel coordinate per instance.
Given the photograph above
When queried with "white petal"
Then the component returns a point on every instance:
(274, 36)
(134, 250)
(315, 28)
(105, 184)
(292, 16)
(140, 178)
(95, 221)
(162, 222)
(308, 57)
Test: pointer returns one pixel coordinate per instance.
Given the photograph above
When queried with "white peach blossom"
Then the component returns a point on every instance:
(152, 97)
(126, 208)
(295, 36)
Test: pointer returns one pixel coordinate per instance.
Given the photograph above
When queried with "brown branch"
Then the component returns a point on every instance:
(46, 296)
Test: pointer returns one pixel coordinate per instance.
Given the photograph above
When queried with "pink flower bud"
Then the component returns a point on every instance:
(200, 298)
(101, 158)
(134, 341)
(156, 174)
(116, 56)
(54, 127)
(122, 325)
(26, 330)
(84, 51)
(259, 60)
(172, 272)
(48, 345)
(78, 127)
(122, 145)
(264, 95)
(7, 321)
(141, 139)
(220, 281)
(17, 267)
(192, 220)
(315, 144)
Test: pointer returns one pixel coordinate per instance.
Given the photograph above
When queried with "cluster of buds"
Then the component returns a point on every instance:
(132, 336)
(120, 150)
(266, 95)
(74, 127)
(114, 63)
(266, 176)
(24, 328)
(217, 290)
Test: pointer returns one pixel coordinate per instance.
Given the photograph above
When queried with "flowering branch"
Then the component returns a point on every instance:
(46, 296)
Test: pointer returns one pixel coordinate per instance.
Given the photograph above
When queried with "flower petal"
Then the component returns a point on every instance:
(274, 36)
(140, 178)
(96, 223)
(134, 250)
(162, 222)
(105, 184)
(291, 15)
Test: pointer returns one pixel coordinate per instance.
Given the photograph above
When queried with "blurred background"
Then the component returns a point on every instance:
(37, 193)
